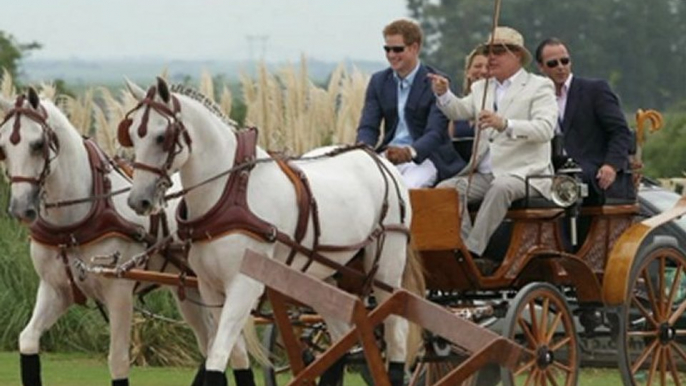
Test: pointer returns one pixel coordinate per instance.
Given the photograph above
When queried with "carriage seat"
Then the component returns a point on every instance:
(531, 208)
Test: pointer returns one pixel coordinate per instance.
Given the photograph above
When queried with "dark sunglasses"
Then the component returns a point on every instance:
(498, 50)
(554, 62)
(396, 49)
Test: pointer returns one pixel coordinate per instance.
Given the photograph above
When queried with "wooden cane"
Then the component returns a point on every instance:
(477, 134)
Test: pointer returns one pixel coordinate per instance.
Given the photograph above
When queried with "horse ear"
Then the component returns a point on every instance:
(134, 89)
(163, 90)
(34, 100)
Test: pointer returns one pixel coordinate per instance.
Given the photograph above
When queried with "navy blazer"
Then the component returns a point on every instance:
(595, 133)
(426, 123)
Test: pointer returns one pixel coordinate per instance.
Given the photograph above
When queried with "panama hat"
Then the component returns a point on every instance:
(509, 37)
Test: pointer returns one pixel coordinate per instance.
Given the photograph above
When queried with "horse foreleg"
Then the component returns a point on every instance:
(119, 303)
(241, 296)
(239, 359)
(51, 303)
(197, 317)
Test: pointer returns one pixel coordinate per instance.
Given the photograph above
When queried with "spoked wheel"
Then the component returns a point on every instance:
(652, 340)
(315, 337)
(539, 319)
(440, 358)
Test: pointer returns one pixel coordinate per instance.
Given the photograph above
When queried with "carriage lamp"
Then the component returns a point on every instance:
(568, 191)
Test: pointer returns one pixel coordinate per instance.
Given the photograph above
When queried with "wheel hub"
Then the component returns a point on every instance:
(544, 357)
(667, 333)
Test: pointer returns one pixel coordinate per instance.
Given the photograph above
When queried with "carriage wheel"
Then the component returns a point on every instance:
(652, 340)
(314, 337)
(539, 319)
(440, 358)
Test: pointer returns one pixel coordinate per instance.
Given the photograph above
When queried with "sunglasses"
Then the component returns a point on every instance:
(498, 50)
(554, 62)
(396, 49)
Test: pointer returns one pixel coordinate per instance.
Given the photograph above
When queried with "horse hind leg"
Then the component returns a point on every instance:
(51, 303)
(396, 329)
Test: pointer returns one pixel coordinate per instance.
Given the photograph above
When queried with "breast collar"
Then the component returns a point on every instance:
(231, 212)
(102, 220)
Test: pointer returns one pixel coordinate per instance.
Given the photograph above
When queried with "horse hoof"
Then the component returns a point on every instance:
(396, 373)
(215, 378)
(333, 376)
(244, 377)
(199, 379)
(120, 382)
(30, 370)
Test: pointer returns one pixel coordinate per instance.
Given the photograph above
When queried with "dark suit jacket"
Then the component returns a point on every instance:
(595, 133)
(426, 124)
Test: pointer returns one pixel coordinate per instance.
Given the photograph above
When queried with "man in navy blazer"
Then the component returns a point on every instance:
(416, 141)
(593, 128)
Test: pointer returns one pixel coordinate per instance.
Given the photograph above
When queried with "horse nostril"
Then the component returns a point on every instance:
(146, 204)
(30, 214)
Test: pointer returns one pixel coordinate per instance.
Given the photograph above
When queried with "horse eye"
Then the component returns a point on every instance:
(37, 146)
(160, 139)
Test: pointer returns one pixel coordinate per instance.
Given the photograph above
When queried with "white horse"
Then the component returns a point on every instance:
(171, 132)
(48, 161)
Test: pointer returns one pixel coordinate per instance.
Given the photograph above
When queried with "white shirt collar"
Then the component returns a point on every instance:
(410, 77)
(507, 82)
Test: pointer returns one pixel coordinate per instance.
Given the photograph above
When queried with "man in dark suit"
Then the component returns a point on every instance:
(416, 136)
(593, 128)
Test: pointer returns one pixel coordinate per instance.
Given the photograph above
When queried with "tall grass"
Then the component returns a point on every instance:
(296, 115)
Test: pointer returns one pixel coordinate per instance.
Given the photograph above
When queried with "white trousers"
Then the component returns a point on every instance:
(416, 176)
(496, 195)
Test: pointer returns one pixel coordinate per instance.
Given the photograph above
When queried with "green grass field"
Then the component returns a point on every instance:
(84, 370)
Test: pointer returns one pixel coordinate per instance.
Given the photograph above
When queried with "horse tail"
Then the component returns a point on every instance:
(414, 281)
(253, 344)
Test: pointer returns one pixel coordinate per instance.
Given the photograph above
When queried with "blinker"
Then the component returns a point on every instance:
(123, 135)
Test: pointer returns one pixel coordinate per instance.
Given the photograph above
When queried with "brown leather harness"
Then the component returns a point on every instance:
(231, 213)
(102, 220)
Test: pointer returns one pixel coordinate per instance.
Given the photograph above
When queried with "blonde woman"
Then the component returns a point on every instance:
(475, 68)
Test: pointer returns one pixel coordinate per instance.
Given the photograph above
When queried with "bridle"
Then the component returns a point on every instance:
(50, 140)
(172, 139)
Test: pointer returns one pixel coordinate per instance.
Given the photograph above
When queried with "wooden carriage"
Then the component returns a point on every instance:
(623, 281)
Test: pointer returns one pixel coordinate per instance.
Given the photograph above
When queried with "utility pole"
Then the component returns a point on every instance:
(257, 44)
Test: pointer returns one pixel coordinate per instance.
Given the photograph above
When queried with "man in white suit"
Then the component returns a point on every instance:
(517, 125)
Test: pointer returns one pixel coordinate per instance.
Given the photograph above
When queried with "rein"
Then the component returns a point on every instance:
(249, 164)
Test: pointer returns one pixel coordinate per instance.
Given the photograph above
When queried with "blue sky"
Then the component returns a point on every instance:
(329, 30)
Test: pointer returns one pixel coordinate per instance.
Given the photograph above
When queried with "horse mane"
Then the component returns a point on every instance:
(58, 115)
(205, 101)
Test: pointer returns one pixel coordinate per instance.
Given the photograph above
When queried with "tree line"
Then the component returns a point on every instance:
(638, 46)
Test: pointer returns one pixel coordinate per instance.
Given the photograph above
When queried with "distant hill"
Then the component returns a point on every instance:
(101, 72)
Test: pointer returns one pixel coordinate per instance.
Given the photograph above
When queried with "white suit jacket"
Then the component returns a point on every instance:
(524, 149)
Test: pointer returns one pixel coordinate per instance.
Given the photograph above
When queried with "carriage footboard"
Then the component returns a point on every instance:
(483, 345)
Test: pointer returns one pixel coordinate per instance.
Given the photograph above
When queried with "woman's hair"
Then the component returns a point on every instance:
(468, 60)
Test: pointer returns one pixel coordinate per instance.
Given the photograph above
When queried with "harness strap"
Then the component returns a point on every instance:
(323, 260)
(79, 297)
(306, 205)
(231, 213)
